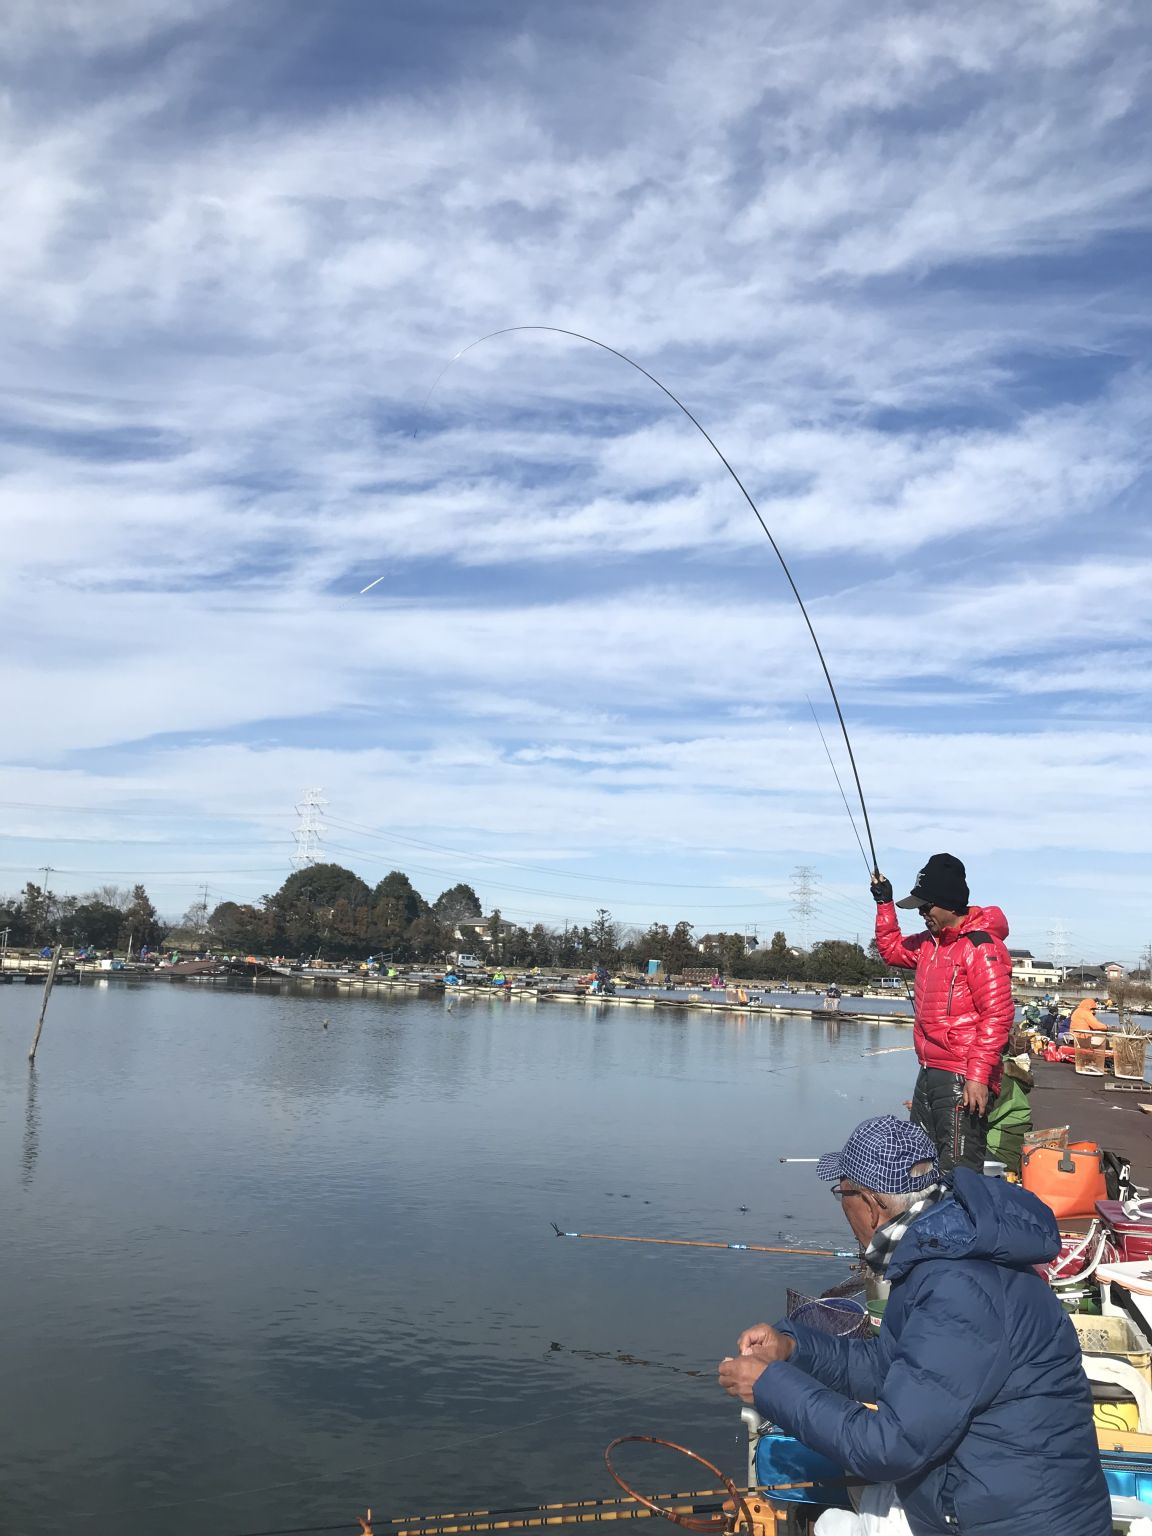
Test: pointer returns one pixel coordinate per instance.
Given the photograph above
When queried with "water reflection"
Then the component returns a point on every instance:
(275, 1272)
(30, 1150)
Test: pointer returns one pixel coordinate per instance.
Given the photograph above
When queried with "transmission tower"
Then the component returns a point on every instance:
(308, 833)
(1058, 945)
(804, 880)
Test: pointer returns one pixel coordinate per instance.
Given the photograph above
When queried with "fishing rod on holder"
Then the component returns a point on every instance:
(687, 1242)
(559, 330)
(742, 1510)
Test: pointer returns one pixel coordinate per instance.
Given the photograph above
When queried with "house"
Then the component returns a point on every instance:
(1112, 969)
(480, 935)
(712, 941)
(1027, 971)
(1086, 976)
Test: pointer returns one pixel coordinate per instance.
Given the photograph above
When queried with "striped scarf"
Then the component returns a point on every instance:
(884, 1239)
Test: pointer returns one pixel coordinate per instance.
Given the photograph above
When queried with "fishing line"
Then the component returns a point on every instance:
(559, 330)
(836, 776)
(622, 1357)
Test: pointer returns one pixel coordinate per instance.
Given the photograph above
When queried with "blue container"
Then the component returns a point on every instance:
(1128, 1475)
(781, 1459)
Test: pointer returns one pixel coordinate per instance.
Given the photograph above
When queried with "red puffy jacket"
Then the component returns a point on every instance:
(964, 1006)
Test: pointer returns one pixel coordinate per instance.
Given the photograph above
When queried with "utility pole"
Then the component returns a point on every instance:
(309, 829)
(804, 879)
(46, 870)
(198, 915)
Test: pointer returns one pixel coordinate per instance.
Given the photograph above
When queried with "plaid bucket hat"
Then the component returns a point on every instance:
(880, 1154)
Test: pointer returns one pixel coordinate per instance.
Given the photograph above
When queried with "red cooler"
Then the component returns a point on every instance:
(1133, 1233)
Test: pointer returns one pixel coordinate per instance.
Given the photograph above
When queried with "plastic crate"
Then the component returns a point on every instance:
(1116, 1338)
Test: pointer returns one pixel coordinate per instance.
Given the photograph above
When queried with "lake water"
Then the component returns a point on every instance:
(259, 1273)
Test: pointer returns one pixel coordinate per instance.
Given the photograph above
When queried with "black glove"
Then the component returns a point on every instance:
(881, 891)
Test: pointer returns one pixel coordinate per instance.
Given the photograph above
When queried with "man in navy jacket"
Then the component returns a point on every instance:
(983, 1414)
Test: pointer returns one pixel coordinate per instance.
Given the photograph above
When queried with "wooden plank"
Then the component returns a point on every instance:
(57, 952)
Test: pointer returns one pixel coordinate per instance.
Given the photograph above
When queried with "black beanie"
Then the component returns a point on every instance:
(941, 883)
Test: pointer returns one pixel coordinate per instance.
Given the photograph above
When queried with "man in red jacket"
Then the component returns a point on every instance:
(964, 1007)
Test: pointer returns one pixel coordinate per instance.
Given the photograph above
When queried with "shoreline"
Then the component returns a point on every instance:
(366, 986)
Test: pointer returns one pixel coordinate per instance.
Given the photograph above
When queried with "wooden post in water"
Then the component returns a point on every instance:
(59, 950)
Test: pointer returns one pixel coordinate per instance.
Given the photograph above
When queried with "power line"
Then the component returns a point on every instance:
(240, 869)
(529, 890)
(138, 813)
(384, 834)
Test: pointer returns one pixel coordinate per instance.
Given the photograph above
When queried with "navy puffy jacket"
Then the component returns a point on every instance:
(983, 1413)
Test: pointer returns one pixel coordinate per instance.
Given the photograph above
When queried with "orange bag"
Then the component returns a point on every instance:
(1068, 1179)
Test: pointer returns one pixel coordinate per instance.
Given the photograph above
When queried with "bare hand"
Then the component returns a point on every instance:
(975, 1099)
(766, 1343)
(740, 1374)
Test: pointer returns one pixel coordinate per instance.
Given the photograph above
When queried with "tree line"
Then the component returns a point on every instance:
(329, 912)
(110, 917)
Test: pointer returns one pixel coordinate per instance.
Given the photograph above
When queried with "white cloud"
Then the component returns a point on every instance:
(221, 327)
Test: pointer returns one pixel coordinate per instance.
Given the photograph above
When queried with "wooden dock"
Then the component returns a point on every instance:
(264, 978)
(1092, 1112)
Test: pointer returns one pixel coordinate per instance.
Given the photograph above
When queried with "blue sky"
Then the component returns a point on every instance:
(894, 257)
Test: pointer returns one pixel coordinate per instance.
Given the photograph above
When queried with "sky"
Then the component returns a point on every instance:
(894, 257)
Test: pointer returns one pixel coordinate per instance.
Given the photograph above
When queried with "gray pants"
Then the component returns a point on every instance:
(961, 1137)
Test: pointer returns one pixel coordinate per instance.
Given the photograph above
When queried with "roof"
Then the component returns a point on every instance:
(1020, 954)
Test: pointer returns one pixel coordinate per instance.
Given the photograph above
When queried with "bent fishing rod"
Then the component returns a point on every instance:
(687, 1242)
(559, 330)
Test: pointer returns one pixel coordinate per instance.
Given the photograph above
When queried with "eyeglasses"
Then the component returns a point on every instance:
(844, 1194)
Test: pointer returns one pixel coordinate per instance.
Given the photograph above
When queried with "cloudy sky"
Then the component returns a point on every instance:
(894, 256)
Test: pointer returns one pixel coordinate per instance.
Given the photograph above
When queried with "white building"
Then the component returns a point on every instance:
(1027, 971)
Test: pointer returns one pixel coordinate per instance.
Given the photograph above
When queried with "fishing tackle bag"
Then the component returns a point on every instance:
(1068, 1179)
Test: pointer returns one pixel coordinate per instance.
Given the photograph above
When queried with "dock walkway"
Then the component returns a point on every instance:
(1094, 1113)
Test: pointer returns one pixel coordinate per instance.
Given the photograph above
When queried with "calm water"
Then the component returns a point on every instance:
(261, 1273)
